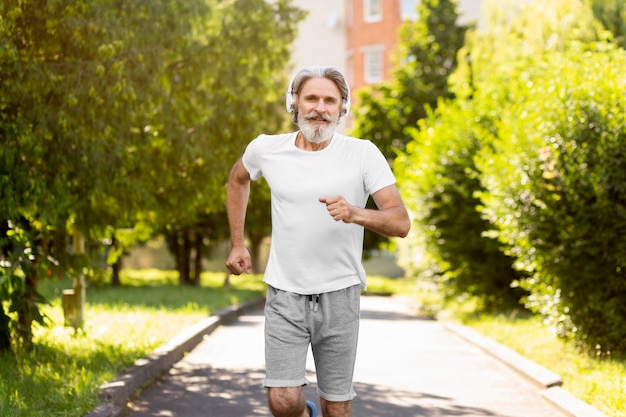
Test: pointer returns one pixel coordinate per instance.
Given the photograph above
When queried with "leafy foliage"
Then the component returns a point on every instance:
(441, 191)
(540, 94)
(123, 326)
(555, 182)
(425, 57)
(125, 116)
(612, 14)
(210, 115)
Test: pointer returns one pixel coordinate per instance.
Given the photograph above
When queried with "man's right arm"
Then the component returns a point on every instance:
(237, 194)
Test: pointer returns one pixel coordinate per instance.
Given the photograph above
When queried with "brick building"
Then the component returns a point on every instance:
(371, 33)
(357, 36)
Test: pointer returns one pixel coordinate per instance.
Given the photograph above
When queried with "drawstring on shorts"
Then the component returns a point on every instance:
(314, 302)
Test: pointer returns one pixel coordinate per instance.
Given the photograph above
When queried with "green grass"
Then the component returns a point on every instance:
(599, 382)
(62, 375)
(379, 285)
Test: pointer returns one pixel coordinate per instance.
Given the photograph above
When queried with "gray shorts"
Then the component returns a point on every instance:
(329, 322)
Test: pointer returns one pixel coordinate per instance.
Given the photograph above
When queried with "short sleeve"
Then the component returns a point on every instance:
(377, 171)
(250, 160)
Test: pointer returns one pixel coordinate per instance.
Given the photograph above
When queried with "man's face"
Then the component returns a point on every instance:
(319, 105)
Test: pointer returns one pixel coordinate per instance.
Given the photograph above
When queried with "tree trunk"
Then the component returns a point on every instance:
(184, 257)
(116, 267)
(115, 272)
(198, 258)
(227, 281)
(27, 307)
(5, 333)
(5, 250)
(255, 250)
(171, 239)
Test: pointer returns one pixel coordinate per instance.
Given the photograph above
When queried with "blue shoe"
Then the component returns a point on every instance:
(312, 409)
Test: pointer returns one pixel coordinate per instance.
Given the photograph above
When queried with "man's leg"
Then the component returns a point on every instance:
(334, 342)
(286, 345)
(336, 408)
(287, 402)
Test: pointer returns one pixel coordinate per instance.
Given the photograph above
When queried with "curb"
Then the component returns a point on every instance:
(549, 382)
(116, 393)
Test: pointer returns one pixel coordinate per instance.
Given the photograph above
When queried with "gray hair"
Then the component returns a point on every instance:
(329, 73)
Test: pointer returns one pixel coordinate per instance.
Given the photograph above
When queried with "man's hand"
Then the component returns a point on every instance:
(389, 219)
(239, 261)
(338, 208)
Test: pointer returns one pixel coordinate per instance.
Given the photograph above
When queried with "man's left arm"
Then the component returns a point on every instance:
(391, 219)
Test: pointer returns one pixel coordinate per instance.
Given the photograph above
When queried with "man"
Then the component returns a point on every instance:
(320, 182)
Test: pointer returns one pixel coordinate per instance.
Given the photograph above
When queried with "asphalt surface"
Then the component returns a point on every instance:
(406, 366)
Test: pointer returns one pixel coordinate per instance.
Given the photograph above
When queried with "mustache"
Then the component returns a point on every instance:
(316, 115)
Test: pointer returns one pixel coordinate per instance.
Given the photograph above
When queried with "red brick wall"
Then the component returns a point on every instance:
(362, 34)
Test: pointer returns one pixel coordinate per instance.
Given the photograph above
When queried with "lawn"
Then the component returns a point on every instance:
(62, 375)
(599, 382)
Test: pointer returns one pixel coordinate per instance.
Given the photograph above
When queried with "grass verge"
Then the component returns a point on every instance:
(62, 375)
(599, 382)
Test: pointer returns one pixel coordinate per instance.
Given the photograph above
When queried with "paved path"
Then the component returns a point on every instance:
(406, 366)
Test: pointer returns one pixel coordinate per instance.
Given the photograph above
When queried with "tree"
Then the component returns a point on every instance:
(210, 115)
(66, 102)
(440, 184)
(552, 172)
(425, 58)
(612, 14)
(118, 116)
(387, 112)
(540, 93)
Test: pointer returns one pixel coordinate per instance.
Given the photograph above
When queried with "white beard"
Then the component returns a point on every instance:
(314, 133)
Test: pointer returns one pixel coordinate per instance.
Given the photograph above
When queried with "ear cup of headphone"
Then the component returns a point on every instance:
(290, 101)
(345, 109)
(290, 97)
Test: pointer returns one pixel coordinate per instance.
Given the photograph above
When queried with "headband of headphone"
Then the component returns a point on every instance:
(290, 100)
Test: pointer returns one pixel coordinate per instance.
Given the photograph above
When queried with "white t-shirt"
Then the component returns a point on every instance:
(310, 252)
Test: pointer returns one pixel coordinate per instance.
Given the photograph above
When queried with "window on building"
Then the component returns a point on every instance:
(373, 10)
(373, 64)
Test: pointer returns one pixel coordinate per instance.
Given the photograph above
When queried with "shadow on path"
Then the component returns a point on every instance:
(196, 391)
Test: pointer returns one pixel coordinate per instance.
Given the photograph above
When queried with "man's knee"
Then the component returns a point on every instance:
(336, 408)
(286, 402)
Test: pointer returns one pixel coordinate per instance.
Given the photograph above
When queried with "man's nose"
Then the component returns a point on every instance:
(320, 106)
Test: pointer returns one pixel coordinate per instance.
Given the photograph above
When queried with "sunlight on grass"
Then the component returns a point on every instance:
(128, 323)
(601, 383)
(121, 325)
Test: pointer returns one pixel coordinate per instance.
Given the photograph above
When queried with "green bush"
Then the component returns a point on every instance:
(555, 182)
(535, 144)
(440, 188)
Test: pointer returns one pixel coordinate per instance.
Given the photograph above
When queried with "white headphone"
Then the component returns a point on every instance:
(290, 100)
